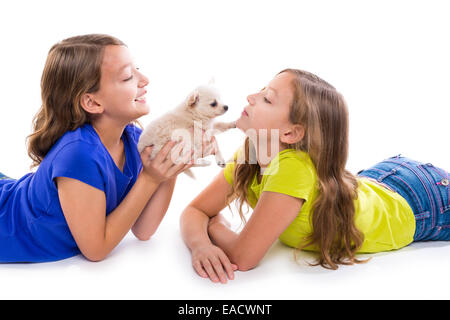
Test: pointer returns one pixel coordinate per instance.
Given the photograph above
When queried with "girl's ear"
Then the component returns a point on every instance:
(89, 104)
(293, 134)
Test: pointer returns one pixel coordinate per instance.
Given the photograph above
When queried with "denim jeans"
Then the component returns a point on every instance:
(425, 188)
(2, 176)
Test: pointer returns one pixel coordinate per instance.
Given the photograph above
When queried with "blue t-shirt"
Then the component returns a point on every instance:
(32, 224)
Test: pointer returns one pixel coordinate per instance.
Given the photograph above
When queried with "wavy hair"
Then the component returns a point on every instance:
(72, 68)
(322, 110)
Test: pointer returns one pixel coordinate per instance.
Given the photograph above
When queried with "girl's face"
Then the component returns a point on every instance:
(122, 87)
(269, 108)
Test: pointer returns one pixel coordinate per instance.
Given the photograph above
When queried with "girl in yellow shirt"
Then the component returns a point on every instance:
(291, 172)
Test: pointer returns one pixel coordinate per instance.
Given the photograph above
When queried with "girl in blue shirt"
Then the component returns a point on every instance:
(91, 185)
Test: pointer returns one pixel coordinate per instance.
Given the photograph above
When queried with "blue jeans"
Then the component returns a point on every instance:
(2, 176)
(425, 188)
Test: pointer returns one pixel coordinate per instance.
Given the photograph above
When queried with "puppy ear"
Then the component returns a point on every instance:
(192, 99)
(212, 81)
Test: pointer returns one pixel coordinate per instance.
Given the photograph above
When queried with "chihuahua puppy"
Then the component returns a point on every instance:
(197, 111)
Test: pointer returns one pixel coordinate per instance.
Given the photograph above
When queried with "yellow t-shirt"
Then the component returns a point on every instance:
(383, 216)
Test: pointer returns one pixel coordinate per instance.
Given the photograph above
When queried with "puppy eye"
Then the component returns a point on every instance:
(213, 104)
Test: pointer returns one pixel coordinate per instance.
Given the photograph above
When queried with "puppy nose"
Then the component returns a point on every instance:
(225, 108)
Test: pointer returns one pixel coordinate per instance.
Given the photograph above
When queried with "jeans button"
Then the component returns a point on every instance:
(444, 182)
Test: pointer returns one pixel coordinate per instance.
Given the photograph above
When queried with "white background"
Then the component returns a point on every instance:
(390, 59)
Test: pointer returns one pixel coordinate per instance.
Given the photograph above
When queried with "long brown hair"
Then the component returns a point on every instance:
(322, 110)
(72, 68)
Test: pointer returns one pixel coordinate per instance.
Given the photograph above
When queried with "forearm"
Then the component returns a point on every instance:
(154, 211)
(121, 219)
(194, 227)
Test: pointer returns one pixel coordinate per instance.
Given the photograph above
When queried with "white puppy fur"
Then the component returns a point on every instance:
(198, 111)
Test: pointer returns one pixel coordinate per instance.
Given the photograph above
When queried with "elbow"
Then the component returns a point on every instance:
(94, 255)
(141, 235)
(246, 266)
(245, 263)
(94, 258)
(96, 251)
(144, 237)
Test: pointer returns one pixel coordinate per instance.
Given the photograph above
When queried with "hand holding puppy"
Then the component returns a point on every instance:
(165, 165)
(199, 108)
(209, 146)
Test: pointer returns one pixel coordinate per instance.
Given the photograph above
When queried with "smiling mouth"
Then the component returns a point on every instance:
(141, 99)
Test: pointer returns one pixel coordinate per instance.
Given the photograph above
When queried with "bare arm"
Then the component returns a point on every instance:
(157, 206)
(271, 216)
(154, 211)
(208, 260)
(84, 208)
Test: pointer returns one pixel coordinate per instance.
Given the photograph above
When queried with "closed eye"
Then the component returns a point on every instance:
(131, 77)
(267, 101)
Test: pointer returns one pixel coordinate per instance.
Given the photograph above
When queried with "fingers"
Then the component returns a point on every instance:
(162, 154)
(209, 146)
(168, 161)
(206, 264)
(218, 267)
(145, 154)
(184, 164)
(211, 262)
(199, 269)
(228, 266)
(209, 143)
(215, 270)
(171, 159)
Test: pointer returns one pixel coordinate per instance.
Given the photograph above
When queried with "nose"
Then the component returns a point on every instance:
(225, 108)
(251, 99)
(143, 80)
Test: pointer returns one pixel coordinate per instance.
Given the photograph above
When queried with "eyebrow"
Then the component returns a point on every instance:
(270, 89)
(273, 90)
(123, 67)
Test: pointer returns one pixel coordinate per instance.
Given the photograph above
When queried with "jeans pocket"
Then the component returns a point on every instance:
(408, 189)
(439, 181)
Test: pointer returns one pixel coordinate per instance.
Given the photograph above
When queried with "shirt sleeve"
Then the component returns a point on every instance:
(228, 171)
(81, 161)
(290, 176)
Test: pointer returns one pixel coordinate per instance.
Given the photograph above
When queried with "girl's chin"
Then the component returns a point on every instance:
(143, 109)
(240, 125)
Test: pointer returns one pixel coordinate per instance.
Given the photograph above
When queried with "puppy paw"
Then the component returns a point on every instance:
(221, 164)
(202, 163)
(224, 126)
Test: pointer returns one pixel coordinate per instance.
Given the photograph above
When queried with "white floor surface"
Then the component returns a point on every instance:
(161, 269)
